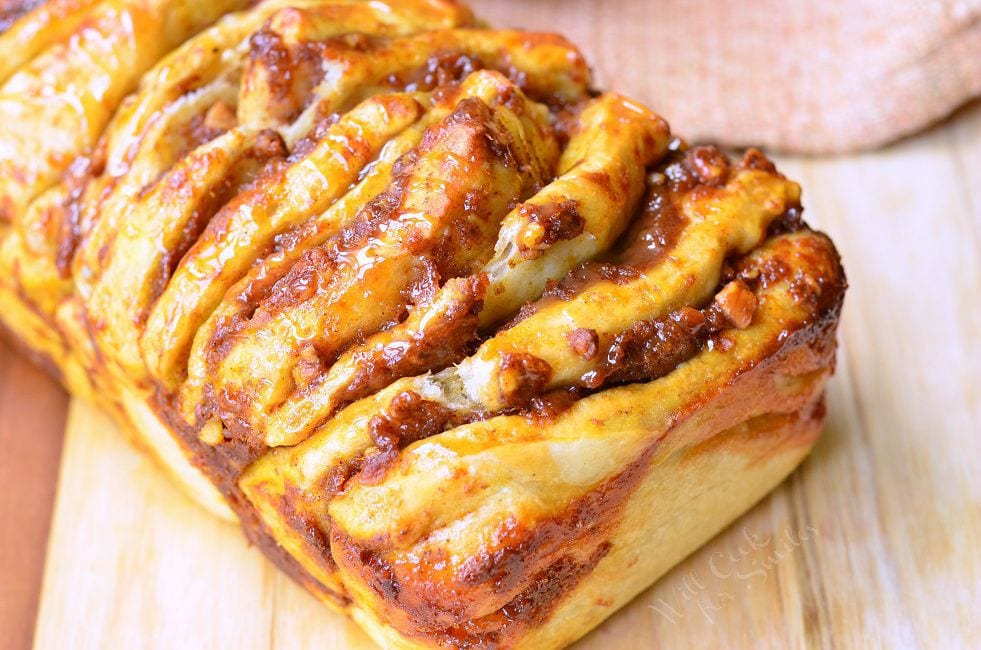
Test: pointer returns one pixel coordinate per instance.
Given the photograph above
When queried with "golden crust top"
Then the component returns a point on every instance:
(422, 303)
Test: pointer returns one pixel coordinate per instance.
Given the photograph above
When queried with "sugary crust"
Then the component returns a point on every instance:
(761, 400)
(473, 352)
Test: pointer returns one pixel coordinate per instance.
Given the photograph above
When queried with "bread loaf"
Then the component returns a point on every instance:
(474, 351)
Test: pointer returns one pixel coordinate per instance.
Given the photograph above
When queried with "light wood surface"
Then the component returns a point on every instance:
(873, 542)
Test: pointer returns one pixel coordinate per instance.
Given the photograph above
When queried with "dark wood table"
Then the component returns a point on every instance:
(32, 421)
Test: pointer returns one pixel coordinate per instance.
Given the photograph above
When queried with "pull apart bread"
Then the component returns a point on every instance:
(474, 352)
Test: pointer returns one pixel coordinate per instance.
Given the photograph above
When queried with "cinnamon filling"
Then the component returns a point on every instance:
(13, 10)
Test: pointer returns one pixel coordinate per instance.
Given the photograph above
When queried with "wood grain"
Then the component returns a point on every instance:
(872, 543)
(32, 419)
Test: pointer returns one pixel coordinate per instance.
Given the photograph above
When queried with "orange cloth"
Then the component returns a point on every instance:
(795, 75)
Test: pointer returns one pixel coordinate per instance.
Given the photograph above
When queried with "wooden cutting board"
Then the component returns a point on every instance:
(874, 542)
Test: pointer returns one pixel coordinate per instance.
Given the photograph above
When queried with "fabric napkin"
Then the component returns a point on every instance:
(799, 76)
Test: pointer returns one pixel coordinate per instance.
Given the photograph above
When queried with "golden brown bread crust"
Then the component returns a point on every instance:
(450, 332)
(772, 390)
